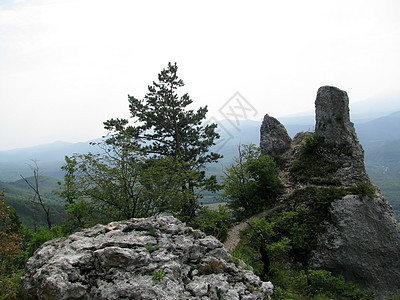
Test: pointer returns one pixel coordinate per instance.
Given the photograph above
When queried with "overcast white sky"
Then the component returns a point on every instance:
(68, 65)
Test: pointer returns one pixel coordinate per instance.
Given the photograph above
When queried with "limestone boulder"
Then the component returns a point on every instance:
(153, 258)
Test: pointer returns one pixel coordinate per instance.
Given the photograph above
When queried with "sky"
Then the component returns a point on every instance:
(66, 66)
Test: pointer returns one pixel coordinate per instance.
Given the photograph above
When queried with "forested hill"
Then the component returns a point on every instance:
(19, 195)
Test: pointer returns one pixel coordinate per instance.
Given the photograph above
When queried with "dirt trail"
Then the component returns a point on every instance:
(234, 233)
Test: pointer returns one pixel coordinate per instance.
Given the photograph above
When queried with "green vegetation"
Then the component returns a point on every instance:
(278, 248)
(252, 183)
(297, 284)
(213, 222)
(167, 129)
(157, 165)
(158, 275)
(363, 189)
(314, 163)
(17, 244)
(151, 248)
(19, 196)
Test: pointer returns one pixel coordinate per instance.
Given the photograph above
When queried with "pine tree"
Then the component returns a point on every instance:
(165, 127)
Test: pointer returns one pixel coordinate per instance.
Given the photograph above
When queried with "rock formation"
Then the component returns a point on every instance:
(333, 124)
(153, 258)
(332, 116)
(361, 240)
(274, 139)
(362, 243)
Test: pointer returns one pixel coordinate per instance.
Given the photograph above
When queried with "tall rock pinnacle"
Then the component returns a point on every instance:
(333, 123)
(333, 116)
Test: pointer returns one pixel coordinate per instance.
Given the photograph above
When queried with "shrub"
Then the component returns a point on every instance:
(322, 282)
(313, 160)
(212, 222)
(252, 183)
(363, 189)
(42, 235)
(158, 275)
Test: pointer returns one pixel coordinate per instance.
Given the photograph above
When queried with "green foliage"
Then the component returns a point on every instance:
(363, 189)
(278, 248)
(322, 282)
(290, 283)
(158, 275)
(289, 230)
(301, 217)
(239, 254)
(152, 232)
(33, 240)
(317, 159)
(102, 187)
(212, 222)
(10, 286)
(119, 184)
(252, 183)
(12, 258)
(151, 248)
(19, 196)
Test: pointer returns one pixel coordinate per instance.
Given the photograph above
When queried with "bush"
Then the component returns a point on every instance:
(313, 161)
(252, 183)
(212, 222)
(363, 189)
(34, 240)
(322, 282)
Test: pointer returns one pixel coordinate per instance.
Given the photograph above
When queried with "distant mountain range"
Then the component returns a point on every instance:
(380, 138)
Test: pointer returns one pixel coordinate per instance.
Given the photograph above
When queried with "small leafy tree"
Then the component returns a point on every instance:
(252, 183)
(103, 187)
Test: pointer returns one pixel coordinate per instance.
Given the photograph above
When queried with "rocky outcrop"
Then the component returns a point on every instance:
(274, 139)
(362, 243)
(333, 124)
(153, 258)
(361, 238)
(332, 116)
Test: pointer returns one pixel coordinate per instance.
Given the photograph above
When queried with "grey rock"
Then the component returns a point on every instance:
(333, 123)
(362, 243)
(153, 258)
(274, 139)
(333, 116)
